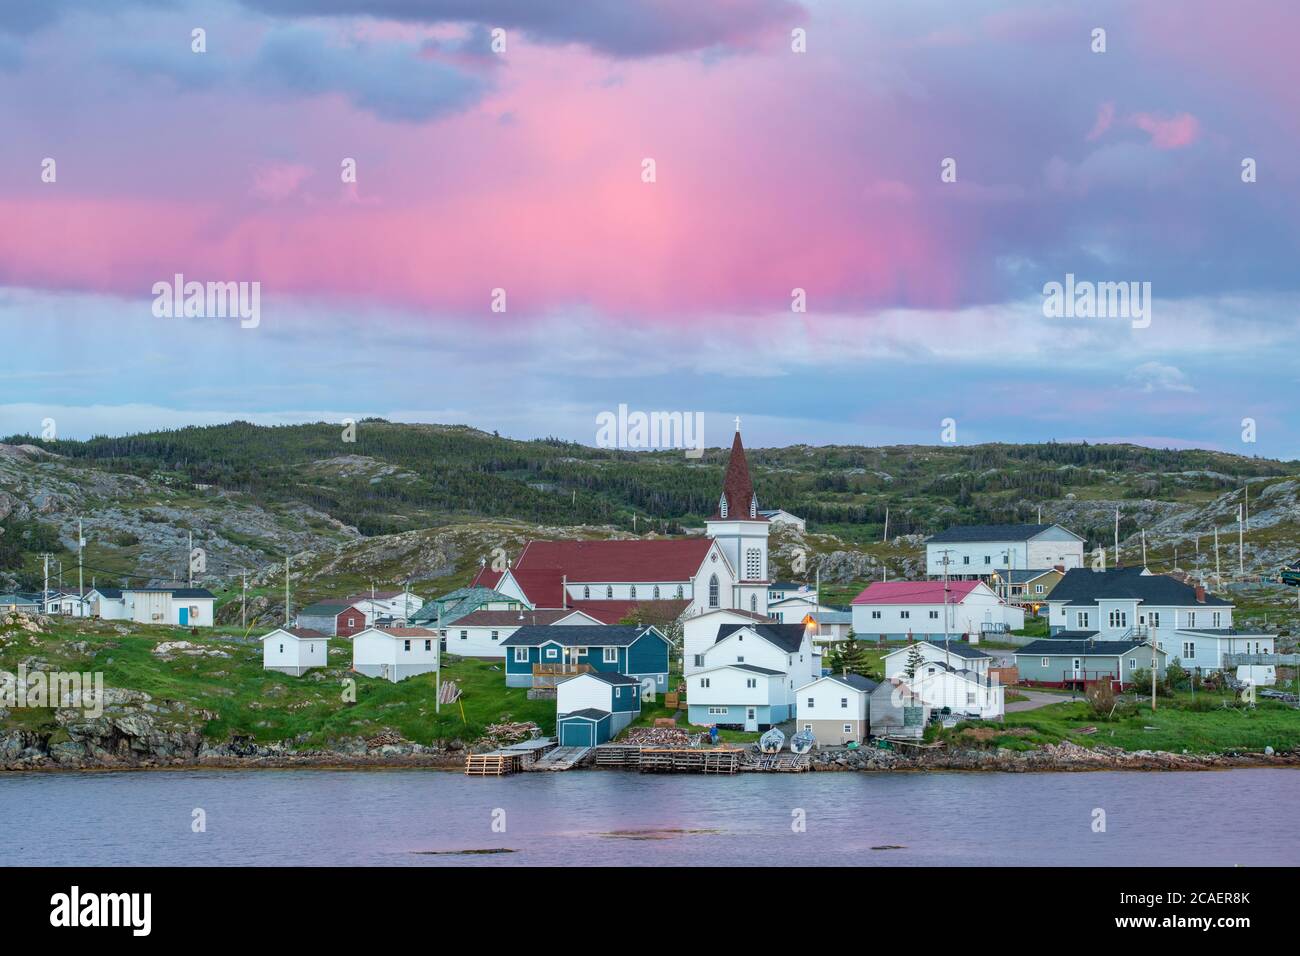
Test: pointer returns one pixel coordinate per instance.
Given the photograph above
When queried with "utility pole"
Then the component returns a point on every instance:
(437, 675)
(286, 590)
(81, 580)
(1117, 537)
(45, 590)
(189, 561)
(1218, 579)
(1241, 542)
(1144, 548)
(947, 657)
(885, 538)
(243, 599)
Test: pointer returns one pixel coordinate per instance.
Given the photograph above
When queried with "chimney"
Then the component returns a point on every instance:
(1200, 594)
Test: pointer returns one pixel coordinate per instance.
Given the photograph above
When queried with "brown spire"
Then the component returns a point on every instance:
(737, 487)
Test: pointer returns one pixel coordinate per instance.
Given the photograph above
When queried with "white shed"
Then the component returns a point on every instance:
(395, 654)
(294, 650)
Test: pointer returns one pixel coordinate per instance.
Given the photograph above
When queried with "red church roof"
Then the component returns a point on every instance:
(738, 488)
(915, 592)
(632, 562)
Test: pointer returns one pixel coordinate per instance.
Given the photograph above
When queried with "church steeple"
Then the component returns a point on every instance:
(738, 501)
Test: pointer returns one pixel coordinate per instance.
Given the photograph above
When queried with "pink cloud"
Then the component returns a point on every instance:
(279, 180)
(1105, 117)
(1173, 132)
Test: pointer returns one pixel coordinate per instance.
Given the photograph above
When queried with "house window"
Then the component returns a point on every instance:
(848, 728)
(751, 682)
(1154, 618)
(713, 591)
(656, 592)
(1083, 619)
(679, 592)
(1191, 619)
(551, 652)
(580, 651)
(875, 615)
(810, 703)
(717, 711)
(965, 559)
(1132, 663)
(934, 615)
(844, 703)
(618, 692)
(352, 622)
(699, 660)
(753, 564)
(494, 635)
(704, 682)
(406, 645)
(609, 655)
(740, 658)
(970, 697)
(905, 614)
(428, 645)
(1189, 650)
(1046, 662)
(1038, 589)
(586, 593)
(631, 593)
(1118, 618)
(464, 635)
(987, 559)
(1215, 618)
(609, 593)
(281, 648)
(521, 655)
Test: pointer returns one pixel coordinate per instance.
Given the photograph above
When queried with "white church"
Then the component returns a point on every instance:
(727, 569)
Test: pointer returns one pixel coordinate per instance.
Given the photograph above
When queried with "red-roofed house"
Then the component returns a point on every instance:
(897, 610)
(727, 568)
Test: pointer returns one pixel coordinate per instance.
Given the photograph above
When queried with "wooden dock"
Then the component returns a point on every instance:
(561, 758)
(498, 763)
(689, 760)
(618, 755)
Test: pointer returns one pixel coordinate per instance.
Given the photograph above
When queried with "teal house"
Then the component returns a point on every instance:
(1076, 659)
(592, 708)
(549, 651)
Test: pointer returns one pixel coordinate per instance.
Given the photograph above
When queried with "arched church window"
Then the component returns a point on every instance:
(586, 593)
(713, 591)
(656, 592)
(609, 592)
(753, 603)
(722, 505)
(632, 592)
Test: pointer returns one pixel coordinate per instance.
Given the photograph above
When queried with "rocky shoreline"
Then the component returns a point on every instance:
(118, 743)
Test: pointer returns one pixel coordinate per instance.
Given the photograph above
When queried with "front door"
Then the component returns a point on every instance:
(185, 616)
(751, 719)
(1078, 665)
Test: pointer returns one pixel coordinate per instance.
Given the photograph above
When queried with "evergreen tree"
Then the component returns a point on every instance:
(914, 661)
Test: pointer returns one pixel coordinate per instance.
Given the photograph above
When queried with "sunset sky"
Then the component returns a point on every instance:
(775, 170)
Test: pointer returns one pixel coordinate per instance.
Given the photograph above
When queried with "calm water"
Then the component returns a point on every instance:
(583, 818)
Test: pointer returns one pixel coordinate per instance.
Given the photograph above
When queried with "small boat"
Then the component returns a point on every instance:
(802, 742)
(771, 742)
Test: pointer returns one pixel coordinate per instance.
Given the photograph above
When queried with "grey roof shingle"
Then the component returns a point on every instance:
(955, 648)
(587, 713)
(1055, 647)
(788, 637)
(990, 532)
(856, 681)
(1086, 587)
(575, 635)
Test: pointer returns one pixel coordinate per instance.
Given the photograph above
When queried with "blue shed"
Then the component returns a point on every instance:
(584, 728)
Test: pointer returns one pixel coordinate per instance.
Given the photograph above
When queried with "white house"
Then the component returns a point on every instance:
(899, 610)
(1183, 620)
(747, 677)
(829, 626)
(835, 708)
(107, 603)
(781, 516)
(294, 650)
(480, 633)
(181, 607)
(395, 654)
(700, 632)
(795, 607)
(974, 551)
(935, 655)
(68, 603)
(384, 605)
(964, 692)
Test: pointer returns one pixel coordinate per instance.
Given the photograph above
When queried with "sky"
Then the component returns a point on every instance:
(835, 219)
